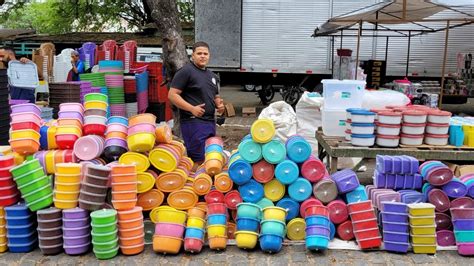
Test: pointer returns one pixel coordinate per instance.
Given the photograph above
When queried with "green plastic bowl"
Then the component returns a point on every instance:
(37, 194)
(29, 176)
(104, 237)
(104, 216)
(25, 167)
(249, 210)
(104, 228)
(102, 246)
(41, 203)
(95, 97)
(34, 185)
(105, 255)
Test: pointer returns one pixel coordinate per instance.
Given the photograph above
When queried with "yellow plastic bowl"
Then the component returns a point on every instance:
(246, 239)
(171, 216)
(141, 142)
(195, 222)
(67, 187)
(215, 156)
(67, 179)
(66, 195)
(25, 134)
(68, 168)
(65, 204)
(424, 249)
(422, 220)
(216, 230)
(95, 105)
(69, 130)
(274, 213)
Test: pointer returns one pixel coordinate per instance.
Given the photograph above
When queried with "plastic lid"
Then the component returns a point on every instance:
(363, 124)
(104, 213)
(413, 125)
(362, 112)
(23, 75)
(411, 136)
(387, 137)
(437, 125)
(440, 136)
(350, 110)
(415, 112)
(389, 113)
(439, 113)
(363, 136)
(388, 125)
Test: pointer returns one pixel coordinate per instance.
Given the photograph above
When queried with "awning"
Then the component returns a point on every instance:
(390, 12)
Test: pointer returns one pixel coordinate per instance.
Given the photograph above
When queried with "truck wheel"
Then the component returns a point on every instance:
(248, 87)
(292, 96)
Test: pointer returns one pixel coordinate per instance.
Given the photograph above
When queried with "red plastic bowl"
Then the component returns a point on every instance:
(193, 245)
(7, 162)
(66, 141)
(25, 125)
(317, 210)
(216, 208)
(214, 196)
(338, 211)
(6, 182)
(362, 215)
(370, 243)
(7, 201)
(232, 198)
(94, 129)
(360, 206)
(345, 231)
(307, 203)
(364, 225)
(367, 233)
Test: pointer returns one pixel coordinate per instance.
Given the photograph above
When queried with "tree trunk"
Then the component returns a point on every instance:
(165, 15)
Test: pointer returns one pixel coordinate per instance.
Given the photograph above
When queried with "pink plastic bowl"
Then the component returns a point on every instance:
(116, 127)
(141, 128)
(169, 229)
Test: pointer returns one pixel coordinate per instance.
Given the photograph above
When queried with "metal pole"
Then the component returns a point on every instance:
(408, 54)
(386, 51)
(332, 56)
(404, 9)
(444, 64)
(358, 47)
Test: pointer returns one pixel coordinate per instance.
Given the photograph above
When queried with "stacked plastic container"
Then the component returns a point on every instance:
(217, 224)
(169, 230)
(413, 127)
(104, 233)
(388, 128)
(141, 132)
(395, 226)
(360, 127)
(194, 235)
(25, 127)
(3, 231)
(50, 231)
(9, 193)
(248, 221)
(422, 227)
(90, 147)
(76, 231)
(131, 231)
(95, 115)
(318, 230)
(94, 187)
(113, 71)
(21, 229)
(463, 221)
(214, 155)
(397, 172)
(69, 129)
(67, 185)
(116, 137)
(124, 187)
(365, 224)
(34, 185)
(437, 128)
(272, 229)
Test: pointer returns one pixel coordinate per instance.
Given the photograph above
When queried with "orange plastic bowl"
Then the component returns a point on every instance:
(146, 118)
(167, 245)
(116, 134)
(150, 199)
(126, 215)
(124, 169)
(124, 178)
(124, 195)
(218, 242)
(124, 204)
(24, 146)
(132, 250)
(132, 223)
(197, 212)
(132, 241)
(131, 232)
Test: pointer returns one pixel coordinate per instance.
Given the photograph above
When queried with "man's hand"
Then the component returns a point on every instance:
(24, 60)
(198, 110)
(220, 108)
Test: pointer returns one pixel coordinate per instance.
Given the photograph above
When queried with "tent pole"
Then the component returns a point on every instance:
(358, 47)
(404, 9)
(444, 64)
(332, 56)
(386, 51)
(408, 53)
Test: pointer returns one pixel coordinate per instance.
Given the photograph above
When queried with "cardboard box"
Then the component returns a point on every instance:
(229, 110)
(249, 112)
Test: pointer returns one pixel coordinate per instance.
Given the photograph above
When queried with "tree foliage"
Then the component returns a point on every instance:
(62, 16)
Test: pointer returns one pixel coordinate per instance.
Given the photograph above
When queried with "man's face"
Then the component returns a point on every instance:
(5, 56)
(201, 56)
(74, 58)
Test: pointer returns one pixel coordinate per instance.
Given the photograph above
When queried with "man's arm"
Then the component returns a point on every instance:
(174, 95)
(219, 104)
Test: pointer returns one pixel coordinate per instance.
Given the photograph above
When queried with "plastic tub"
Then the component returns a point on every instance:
(274, 227)
(362, 116)
(414, 116)
(422, 220)
(396, 246)
(271, 243)
(439, 116)
(216, 219)
(317, 220)
(413, 129)
(362, 140)
(167, 245)
(316, 242)
(437, 129)
(246, 239)
(423, 229)
(436, 140)
(370, 242)
(463, 224)
(388, 129)
(364, 224)
(411, 140)
(362, 128)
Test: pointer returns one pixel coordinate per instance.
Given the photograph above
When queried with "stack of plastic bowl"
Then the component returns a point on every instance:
(104, 233)
(436, 173)
(34, 185)
(214, 156)
(298, 149)
(94, 187)
(67, 185)
(21, 229)
(124, 186)
(395, 227)
(202, 182)
(422, 227)
(169, 230)
(71, 114)
(69, 127)
(50, 233)
(318, 230)
(217, 224)
(76, 231)
(365, 224)
(194, 235)
(131, 231)
(346, 180)
(87, 148)
(25, 126)
(166, 157)
(272, 229)
(463, 220)
(141, 132)
(3, 231)
(116, 137)
(248, 221)
(223, 183)
(9, 193)
(95, 115)
(49, 159)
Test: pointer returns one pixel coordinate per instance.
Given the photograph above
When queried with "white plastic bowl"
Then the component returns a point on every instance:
(388, 141)
(413, 129)
(439, 117)
(362, 128)
(437, 129)
(388, 129)
(411, 140)
(363, 140)
(436, 140)
(414, 116)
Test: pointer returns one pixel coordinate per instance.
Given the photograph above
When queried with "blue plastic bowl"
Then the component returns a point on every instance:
(464, 225)
(240, 172)
(271, 243)
(317, 242)
(216, 219)
(332, 230)
(214, 147)
(318, 230)
(317, 220)
(193, 232)
(20, 229)
(292, 207)
(252, 191)
(118, 119)
(22, 248)
(273, 227)
(22, 239)
(19, 210)
(25, 220)
(247, 224)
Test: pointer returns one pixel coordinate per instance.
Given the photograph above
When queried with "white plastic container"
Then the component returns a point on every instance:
(362, 140)
(389, 117)
(414, 116)
(348, 124)
(387, 141)
(437, 129)
(413, 129)
(439, 117)
(388, 129)
(333, 122)
(411, 140)
(362, 117)
(343, 94)
(348, 135)
(95, 119)
(362, 128)
(436, 140)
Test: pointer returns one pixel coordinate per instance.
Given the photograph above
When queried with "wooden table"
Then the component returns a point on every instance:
(337, 147)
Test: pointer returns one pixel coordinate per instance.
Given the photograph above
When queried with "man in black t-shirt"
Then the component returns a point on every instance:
(195, 91)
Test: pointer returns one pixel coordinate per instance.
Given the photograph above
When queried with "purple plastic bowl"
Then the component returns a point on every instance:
(439, 199)
(395, 227)
(76, 213)
(443, 221)
(70, 115)
(455, 189)
(445, 238)
(76, 250)
(463, 202)
(79, 231)
(395, 207)
(76, 240)
(394, 217)
(439, 175)
(396, 247)
(318, 230)
(73, 223)
(399, 237)
(464, 224)
(466, 249)
(116, 142)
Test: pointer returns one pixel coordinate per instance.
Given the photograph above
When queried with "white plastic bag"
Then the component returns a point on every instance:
(308, 114)
(283, 117)
(381, 99)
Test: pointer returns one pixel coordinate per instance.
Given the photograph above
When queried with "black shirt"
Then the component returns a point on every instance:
(198, 86)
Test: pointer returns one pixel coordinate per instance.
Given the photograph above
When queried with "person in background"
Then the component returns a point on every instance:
(16, 93)
(195, 91)
(77, 66)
